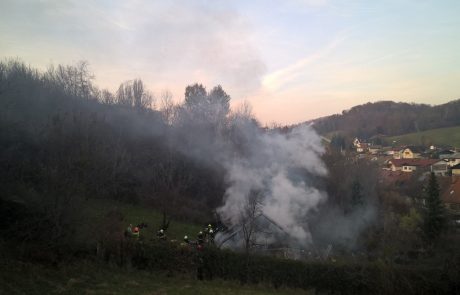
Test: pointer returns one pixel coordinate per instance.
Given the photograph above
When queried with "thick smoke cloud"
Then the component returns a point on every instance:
(277, 166)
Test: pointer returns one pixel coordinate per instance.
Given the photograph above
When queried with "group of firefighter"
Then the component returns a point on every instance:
(206, 236)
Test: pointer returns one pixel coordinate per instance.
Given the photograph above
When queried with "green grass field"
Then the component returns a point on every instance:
(86, 277)
(442, 136)
(135, 214)
(91, 278)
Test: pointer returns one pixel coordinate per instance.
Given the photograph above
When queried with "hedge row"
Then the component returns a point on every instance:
(335, 278)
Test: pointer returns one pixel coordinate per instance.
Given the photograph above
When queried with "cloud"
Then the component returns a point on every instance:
(165, 42)
(280, 78)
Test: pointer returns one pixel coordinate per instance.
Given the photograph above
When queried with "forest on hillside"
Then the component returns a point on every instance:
(64, 141)
(389, 118)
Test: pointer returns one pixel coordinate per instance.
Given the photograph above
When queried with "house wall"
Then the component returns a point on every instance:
(394, 168)
(456, 172)
(453, 162)
(408, 154)
(440, 169)
(409, 168)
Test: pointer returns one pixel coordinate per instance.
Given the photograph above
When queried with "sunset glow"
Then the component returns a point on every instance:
(292, 60)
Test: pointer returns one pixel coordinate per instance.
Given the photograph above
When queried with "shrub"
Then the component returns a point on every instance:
(365, 278)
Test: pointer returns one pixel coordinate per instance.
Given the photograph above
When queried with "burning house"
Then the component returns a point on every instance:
(261, 234)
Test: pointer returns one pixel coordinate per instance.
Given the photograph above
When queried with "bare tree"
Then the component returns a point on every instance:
(167, 106)
(133, 94)
(251, 210)
(106, 97)
(74, 80)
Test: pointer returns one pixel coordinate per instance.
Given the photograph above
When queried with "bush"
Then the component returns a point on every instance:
(365, 278)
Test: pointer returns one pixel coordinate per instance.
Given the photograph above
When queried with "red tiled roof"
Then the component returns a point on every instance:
(452, 194)
(393, 176)
(413, 162)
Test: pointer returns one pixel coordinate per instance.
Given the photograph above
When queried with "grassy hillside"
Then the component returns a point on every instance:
(90, 278)
(441, 136)
(96, 210)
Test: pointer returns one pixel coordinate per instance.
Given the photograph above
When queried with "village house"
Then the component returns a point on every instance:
(456, 170)
(440, 168)
(410, 165)
(411, 152)
(452, 159)
(387, 151)
(451, 199)
(375, 149)
(361, 147)
(397, 153)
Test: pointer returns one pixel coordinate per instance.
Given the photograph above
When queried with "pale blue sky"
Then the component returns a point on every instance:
(293, 60)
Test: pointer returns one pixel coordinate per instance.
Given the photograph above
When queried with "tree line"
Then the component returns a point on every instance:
(63, 141)
(389, 118)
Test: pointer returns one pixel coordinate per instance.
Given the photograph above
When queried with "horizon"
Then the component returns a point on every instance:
(294, 61)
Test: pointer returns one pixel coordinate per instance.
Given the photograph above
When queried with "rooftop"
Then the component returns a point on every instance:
(452, 194)
(413, 162)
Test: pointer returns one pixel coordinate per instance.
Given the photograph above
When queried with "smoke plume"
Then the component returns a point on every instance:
(277, 165)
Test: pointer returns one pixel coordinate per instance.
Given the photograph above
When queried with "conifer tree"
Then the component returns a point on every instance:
(434, 222)
(357, 198)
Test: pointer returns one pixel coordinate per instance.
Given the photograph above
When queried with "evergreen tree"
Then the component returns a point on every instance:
(357, 198)
(434, 222)
(338, 142)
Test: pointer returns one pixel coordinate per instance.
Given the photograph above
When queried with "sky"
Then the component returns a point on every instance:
(292, 60)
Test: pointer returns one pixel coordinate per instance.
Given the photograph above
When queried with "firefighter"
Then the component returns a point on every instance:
(211, 236)
(161, 235)
(207, 229)
(136, 232)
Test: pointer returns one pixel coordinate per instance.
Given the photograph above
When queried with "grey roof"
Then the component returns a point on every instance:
(451, 156)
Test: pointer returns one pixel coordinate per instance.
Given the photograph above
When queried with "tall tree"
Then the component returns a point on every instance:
(195, 95)
(218, 97)
(357, 198)
(434, 222)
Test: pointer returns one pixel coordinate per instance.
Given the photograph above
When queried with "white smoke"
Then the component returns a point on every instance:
(279, 166)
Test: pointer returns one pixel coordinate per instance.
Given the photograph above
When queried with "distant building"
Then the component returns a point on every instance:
(362, 148)
(396, 152)
(375, 149)
(412, 152)
(440, 168)
(456, 170)
(267, 233)
(451, 199)
(452, 159)
(410, 165)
